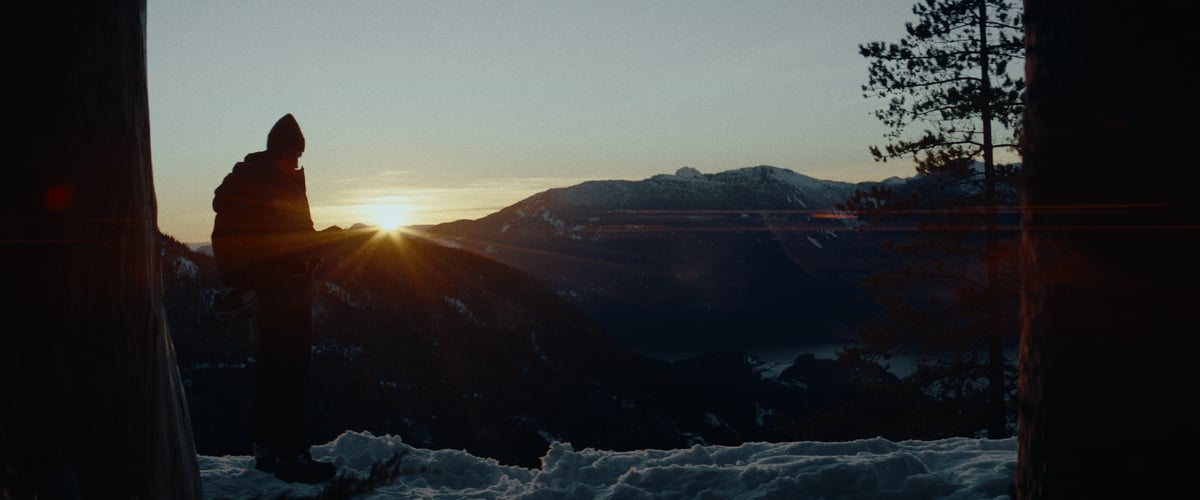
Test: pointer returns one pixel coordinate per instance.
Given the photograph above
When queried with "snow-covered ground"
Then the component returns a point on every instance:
(955, 468)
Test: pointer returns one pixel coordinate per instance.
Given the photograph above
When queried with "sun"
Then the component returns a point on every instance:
(391, 217)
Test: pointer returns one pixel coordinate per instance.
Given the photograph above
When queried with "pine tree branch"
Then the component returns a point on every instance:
(996, 24)
(935, 83)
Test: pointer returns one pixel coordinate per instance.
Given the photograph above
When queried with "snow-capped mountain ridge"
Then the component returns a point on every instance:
(746, 188)
(685, 258)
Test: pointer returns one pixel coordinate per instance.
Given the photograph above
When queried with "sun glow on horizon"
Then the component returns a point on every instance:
(379, 205)
(390, 216)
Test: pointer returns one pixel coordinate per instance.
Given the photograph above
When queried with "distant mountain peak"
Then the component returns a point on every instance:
(698, 252)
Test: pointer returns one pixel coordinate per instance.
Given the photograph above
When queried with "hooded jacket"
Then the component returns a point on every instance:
(263, 231)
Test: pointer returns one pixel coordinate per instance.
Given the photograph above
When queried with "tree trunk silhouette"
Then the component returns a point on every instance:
(1110, 302)
(91, 404)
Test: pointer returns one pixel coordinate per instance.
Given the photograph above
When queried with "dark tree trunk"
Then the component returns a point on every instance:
(91, 404)
(997, 414)
(1110, 248)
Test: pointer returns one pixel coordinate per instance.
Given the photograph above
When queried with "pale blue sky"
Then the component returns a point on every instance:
(459, 108)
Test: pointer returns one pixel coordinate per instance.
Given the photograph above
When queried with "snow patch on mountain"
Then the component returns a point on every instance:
(459, 306)
(349, 352)
(556, 222)
(185, 268)
(341, 294)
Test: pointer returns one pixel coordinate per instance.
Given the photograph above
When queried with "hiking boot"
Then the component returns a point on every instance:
(264, 458)
(303, 469)
(299, 468)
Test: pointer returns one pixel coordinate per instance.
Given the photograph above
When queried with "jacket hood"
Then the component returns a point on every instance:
(285, 137)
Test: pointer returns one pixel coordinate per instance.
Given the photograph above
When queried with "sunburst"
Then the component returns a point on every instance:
(391, 216)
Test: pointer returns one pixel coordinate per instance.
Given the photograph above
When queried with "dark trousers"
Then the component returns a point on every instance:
(285, 334)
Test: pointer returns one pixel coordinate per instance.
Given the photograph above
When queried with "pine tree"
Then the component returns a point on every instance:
(950, 77)
(940, 310)
(951, 74)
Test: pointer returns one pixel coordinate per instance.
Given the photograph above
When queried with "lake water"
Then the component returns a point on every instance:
(773, 360)
(901, 366)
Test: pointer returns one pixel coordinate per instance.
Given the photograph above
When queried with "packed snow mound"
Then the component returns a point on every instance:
(951, 469)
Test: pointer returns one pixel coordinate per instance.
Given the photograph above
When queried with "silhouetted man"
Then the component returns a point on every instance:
(262, 239)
